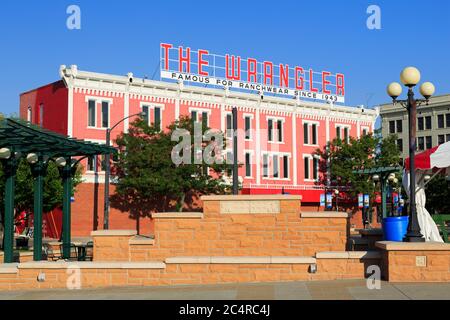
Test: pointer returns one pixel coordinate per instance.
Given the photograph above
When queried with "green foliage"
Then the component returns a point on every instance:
(147, 178)
(438, 193)
(341, 159)
(24, 193)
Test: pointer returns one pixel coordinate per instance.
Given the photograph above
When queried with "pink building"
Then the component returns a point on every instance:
(83, 104)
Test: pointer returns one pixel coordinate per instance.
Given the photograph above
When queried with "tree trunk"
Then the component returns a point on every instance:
(181, 202)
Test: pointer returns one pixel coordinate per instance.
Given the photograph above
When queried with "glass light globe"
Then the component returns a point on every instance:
(394, 89)
(391, 177)
(336, 191)
(5, 153)
(32, 158)
(60, 162)
(427, 89)
(410, 76)
(426, 177)
(376, 177)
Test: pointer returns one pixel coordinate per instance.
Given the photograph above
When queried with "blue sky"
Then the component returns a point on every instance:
(122, 36)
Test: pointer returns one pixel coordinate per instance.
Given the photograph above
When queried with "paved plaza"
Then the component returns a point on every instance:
(316, 290)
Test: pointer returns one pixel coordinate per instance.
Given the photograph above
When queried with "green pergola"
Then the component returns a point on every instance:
(21, 139)
(383, 172)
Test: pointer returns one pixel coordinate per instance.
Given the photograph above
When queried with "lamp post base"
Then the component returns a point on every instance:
(413, 237)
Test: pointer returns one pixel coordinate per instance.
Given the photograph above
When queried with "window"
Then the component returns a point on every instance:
(400, 144)
(230, 159)
(265, 166)
(157, 117)
(338, 133)
(346, 137)
(421, 143)
(247, 125)
(146, 114)
(314, 133)
(204, 119)
(270, 128)
(285, 167)
(391, 126)
(275, 166)
(105, 114)
(440, 120)
(365, 131)
(315, 168)
(447, 137)
(306, 163)
(29, 115)
(399, 126)
(428, 122)
(41, 115)
(194, 116)
(447, 120)
(103, 162)
(248, 165)
(420, 123)
(91, 113)
(429, 142)
(280, 130)
(91, 163)
(441, 139)
(229, 125)
(305, 134)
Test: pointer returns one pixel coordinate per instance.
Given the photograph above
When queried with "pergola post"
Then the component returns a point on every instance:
(10, 167)
(38, 172)
(67, 194)
(383, 196)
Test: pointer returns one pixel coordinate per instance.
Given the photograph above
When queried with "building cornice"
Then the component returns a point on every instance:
(144, 89)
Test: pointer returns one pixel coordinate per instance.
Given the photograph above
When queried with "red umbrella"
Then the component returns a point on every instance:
(436, 157)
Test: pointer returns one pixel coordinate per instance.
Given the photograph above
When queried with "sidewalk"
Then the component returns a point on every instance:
(313, 290)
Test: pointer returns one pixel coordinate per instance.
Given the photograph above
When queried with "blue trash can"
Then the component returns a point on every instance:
(394, 228)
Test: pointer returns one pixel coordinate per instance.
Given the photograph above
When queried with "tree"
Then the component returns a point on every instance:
(147, 178)
(437, 193)
(339, 159)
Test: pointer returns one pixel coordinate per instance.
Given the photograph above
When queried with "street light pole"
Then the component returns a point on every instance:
(413, 234)
(107, 171)
(410, 77)
(235, 153)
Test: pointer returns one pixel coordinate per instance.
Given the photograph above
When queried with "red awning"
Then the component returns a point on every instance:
(436, 157)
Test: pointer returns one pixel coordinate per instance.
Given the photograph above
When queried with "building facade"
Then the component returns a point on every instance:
(432, 125)
(280, 135)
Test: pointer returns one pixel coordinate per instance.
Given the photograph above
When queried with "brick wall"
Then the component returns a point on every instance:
(286, 233)
(415, 262)
(97, 275)
(112, 245)
(401, 266)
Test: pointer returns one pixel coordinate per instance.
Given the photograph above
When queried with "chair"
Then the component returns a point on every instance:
(51, 254)
(73, 252)
(23, 238)
(89, 254)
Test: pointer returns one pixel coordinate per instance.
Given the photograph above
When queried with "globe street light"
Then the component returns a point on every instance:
(410, 77)
(5, 153)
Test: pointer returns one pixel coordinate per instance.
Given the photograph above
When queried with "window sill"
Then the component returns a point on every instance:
(310, 145)
(97, 128)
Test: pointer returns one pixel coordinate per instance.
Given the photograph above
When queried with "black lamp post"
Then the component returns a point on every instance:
(107, 171)
(410, 77)
(235, 153)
